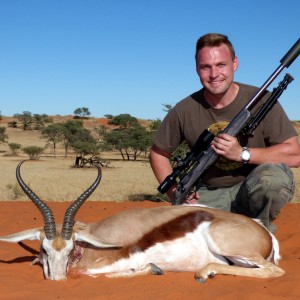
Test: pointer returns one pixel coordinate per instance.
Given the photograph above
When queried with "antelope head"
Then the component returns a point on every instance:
(57, 242)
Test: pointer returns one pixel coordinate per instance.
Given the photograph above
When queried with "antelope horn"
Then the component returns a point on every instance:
(68, 224)
(49, 222)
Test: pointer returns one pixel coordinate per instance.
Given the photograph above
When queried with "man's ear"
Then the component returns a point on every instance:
(235, 63)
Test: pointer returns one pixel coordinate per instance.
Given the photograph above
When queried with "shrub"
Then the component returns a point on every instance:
(14, 148)
(3, 135)
(12, 124)
(15, 190)
(34, 152)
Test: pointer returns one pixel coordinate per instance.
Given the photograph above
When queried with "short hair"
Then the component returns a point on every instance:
(214, 40)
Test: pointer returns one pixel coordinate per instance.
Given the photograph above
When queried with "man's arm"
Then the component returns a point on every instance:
(287, 152)
(160, 164)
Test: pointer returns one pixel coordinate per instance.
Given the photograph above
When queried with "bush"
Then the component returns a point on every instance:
(3, 135)
(34, 152)
(16, 191)
(12, 124)
(14, 148)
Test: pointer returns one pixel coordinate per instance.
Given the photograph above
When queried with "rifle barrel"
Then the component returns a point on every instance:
(286, 61)
(291, 55)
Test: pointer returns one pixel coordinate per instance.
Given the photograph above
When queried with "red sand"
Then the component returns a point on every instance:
(20, 280)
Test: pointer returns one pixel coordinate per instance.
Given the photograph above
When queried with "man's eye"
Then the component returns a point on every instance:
(204, 68)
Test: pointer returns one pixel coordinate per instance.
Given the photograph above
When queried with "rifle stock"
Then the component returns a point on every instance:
(202, 156)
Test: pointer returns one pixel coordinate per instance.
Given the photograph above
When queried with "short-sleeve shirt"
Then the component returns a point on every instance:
(192, 115)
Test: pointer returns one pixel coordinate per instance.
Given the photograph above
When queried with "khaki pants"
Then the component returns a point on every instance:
(261, 195)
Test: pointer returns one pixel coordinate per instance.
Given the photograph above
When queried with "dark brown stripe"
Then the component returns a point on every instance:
(171, 230)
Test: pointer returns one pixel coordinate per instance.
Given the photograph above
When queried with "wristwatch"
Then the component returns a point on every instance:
(245, 155)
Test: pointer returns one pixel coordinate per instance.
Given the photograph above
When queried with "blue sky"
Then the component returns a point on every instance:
(133, 56)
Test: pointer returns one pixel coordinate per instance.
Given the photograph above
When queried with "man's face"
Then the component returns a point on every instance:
(216, 67)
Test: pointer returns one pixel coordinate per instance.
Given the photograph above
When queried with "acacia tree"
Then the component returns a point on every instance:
(82, 112)
(123, 121)
(130, 142)
(83, 148)
(116, 140)
(3, 135)
(154, 125)
(54, 134)
(130, 138)
(70, 129)
(78, 138)
(139, 140)
(26, 119)
(41, 120)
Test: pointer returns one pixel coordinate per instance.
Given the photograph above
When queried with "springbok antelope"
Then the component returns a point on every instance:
(150, 241)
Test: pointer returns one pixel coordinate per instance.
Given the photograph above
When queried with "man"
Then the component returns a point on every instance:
(252, 176)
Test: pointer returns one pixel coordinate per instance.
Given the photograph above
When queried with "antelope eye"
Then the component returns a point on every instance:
(44, 252)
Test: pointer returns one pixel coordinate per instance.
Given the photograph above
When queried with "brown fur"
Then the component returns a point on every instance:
(171, 230)
(59, 243)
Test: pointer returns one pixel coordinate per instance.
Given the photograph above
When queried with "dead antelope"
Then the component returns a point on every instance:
(150, 241)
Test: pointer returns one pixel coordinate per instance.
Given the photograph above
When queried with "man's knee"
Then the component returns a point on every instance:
(266, 190)
(272, 178)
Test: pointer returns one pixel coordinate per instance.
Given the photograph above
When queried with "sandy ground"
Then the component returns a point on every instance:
(20, 280)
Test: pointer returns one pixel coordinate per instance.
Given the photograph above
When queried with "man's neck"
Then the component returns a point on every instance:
(219, 101)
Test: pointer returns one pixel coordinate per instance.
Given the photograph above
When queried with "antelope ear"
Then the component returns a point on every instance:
(31, 234)
(91, 239)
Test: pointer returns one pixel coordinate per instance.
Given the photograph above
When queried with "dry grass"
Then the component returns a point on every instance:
(55, 179)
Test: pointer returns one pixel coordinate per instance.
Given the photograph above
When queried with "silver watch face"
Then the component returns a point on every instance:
(246, 155)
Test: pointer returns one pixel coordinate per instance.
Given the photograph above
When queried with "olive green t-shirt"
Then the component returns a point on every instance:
(191, 116)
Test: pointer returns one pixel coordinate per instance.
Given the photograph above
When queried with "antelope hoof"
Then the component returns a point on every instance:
(200, 277)
(155, 270)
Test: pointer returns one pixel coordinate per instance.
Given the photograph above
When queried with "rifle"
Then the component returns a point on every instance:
(188, 170)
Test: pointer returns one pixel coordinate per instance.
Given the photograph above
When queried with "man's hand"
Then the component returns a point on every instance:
(192, 198)
(227, 146)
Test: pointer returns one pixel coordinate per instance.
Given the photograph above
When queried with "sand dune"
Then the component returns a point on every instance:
(20, 280)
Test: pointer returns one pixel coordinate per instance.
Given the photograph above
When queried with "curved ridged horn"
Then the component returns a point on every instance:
(49, 222)
(68, 224)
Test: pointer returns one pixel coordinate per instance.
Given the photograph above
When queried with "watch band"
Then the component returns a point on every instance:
(245, 155)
